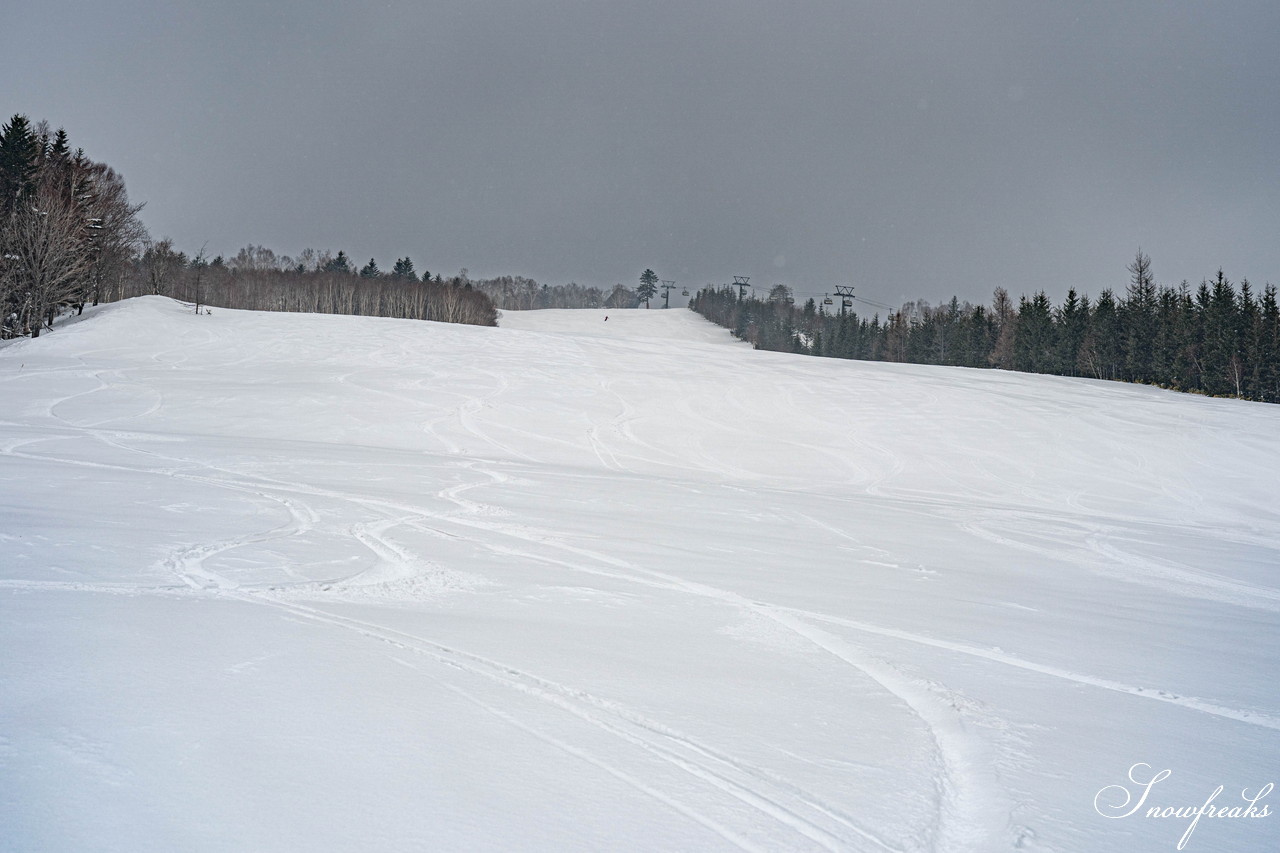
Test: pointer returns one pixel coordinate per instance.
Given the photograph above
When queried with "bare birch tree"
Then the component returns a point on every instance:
(46, 258)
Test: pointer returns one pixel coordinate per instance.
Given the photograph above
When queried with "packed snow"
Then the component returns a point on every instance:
(281, 582)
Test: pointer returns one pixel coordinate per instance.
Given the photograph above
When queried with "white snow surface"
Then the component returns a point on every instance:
(281, 582)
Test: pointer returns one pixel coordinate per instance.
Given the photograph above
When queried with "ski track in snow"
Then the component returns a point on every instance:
(1167, 577)
(188, 564)
(1256, 718)
(790, 805)
(971, 813)
(954, 785)
(770, 794)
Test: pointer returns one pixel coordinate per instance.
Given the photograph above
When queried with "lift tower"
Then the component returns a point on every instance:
(845, 292)
(740, 282)
(666, 293)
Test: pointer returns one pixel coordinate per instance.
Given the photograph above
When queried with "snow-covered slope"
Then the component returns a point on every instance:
(291, 582)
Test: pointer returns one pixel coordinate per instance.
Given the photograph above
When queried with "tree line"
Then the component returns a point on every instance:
(1218, 339)
(70, 236)
(68, 231)
(258, 279)
(516, 293)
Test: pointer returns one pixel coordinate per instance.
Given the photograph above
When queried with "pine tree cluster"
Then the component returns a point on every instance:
(1218, 340)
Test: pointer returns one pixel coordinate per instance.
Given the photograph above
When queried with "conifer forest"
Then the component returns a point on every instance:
(1217, 339)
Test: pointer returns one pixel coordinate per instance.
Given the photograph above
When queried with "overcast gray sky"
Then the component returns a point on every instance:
(912, 149)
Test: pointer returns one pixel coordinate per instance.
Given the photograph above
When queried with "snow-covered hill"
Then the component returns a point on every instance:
(291, 582)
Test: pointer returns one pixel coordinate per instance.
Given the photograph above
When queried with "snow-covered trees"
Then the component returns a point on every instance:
(517, 293)
(622, 297)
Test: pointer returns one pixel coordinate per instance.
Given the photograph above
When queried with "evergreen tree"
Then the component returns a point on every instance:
(1102, 355)
(808, 316)
(1167, 344)
(948, 340)
(338, 264)
(1072, 320)
(1198, 310)
(59, 147)
(1269, 347)
(978, 336)
(1222, 366)
(848, 334)
(1034, 346)
(370, 270)
(1249, 324)
(648, 286)
(1138, 317)
(895, 333)
(1187, 334)
(69, 174)
(404, 269)
(20, 156)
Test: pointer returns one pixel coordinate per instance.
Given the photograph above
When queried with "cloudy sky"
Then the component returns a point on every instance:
(911, 149)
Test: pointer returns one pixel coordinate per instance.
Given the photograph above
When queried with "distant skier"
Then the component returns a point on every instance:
(606, 318)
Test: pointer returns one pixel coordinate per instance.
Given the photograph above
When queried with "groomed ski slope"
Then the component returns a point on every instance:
(281, 582)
